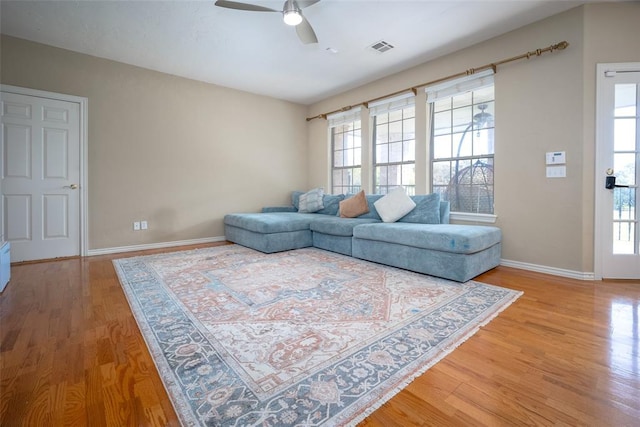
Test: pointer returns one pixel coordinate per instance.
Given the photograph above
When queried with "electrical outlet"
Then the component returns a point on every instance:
(144, 225)
(136, 226)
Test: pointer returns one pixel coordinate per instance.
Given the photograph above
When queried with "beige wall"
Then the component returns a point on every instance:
(612, 34)
(173, 151)
(543, 104)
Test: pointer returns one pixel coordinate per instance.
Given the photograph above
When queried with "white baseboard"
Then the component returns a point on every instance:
(580, 275)
(505, 262)
(106, 251)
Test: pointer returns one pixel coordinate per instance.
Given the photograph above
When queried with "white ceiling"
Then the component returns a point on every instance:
(257, 52)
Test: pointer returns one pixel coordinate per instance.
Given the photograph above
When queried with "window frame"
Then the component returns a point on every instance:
(456, 130)
(356, 132)
(390, 107)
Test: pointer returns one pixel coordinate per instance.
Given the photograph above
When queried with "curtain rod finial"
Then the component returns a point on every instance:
(560, 46)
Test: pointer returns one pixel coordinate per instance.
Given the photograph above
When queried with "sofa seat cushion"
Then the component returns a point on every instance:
(276, 222)
(337, 226)
(463, 239)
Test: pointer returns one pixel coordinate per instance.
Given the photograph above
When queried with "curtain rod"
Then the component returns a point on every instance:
(494, 65)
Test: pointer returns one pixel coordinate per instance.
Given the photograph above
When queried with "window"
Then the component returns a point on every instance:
(346, 151)
(394, 141)
(462, 148)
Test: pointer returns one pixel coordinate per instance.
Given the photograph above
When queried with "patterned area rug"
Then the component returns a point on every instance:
(300, 338)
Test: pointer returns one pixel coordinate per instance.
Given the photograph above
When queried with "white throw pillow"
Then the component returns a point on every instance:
(394, 205)
(311, 201)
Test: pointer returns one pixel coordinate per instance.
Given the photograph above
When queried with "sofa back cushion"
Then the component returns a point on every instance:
(445, 212)
(373, 212)
(331, 204)
(295, 199)
(427, 210)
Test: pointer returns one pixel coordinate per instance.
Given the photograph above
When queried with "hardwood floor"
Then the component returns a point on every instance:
(566, 353)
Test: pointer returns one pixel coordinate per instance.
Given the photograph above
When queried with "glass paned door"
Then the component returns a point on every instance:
(618, 171)
(625, 167)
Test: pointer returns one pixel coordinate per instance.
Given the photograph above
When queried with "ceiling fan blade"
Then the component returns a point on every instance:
(244, 6)
(305, 32)
(306, 3)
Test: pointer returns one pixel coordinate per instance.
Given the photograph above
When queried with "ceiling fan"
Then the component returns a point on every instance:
(291, 13)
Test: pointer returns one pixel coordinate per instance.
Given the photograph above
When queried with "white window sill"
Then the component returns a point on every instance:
(473, 217)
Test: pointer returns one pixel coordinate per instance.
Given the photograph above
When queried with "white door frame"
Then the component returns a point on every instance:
(84, 120)
(600, 155)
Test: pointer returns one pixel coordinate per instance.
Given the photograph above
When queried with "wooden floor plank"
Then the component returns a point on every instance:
(566, 353)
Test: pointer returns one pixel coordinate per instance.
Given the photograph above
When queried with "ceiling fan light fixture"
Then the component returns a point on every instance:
(292, 18)
(291, 13)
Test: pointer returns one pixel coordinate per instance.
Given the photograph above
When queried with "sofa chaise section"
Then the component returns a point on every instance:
(269, 232)
(456, 252)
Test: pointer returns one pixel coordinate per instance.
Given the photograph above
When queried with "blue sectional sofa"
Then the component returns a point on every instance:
(434, 247)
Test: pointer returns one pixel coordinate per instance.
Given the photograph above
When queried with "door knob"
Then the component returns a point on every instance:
(72, 186)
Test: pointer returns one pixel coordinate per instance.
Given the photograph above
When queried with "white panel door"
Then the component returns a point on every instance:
(41, 176)
(618, 171)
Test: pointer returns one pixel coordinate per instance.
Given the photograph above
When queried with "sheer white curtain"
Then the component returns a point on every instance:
(337, 119)
(459, 85)
(392, 104)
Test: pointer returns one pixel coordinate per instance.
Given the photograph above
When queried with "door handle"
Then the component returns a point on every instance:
(610, 182)
(72, 186)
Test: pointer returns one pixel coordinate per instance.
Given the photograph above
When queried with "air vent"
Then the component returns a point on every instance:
(381, 46)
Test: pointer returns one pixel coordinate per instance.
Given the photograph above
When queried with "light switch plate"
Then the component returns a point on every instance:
(556, 171)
